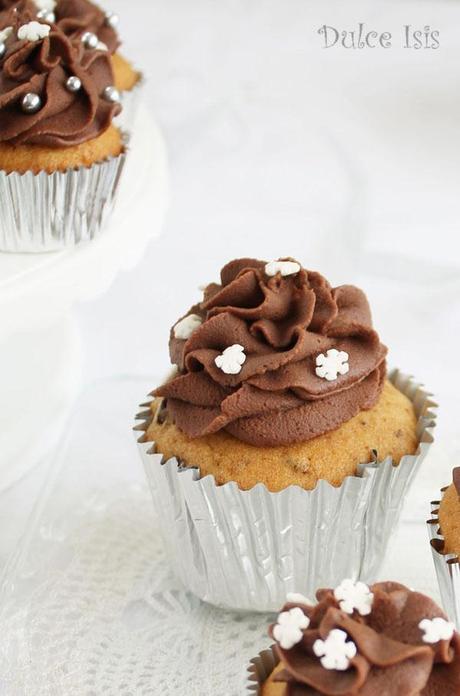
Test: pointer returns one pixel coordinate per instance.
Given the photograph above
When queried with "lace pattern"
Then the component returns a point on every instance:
(112, 619)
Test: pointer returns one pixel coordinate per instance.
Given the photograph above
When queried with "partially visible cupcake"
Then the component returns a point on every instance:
(445, 543)
(61, 156)
(360, 641)
(279, 449)
(449, 515)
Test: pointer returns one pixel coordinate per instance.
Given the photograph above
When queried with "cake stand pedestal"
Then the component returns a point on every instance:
(40, 357)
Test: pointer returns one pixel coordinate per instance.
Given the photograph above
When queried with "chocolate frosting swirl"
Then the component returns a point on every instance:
(283, 324)
(18, 10)
(66, 118)
(391, 657)
(7, 4)
(74, 18)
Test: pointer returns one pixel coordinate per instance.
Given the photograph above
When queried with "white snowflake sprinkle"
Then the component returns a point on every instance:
(334, 363)
(46, 5)
(436, 629)
(289, 627)
(5, 34)
(354, 596)
(33, 31)
(297, 598)
(232, 360)
(286, 268)
(335, 652)
(101, 46)
(186, 326)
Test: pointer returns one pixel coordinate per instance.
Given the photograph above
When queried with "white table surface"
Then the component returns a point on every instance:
(347, 160)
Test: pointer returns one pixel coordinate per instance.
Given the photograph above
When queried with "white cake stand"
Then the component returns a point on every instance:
(39, 345)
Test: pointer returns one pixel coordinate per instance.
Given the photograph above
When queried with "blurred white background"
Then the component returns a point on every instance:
(347, 160)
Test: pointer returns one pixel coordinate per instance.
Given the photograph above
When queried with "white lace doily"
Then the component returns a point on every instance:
(89, 605)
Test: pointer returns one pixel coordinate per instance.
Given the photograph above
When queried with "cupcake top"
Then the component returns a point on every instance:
(383, 639)
(449, 517)
(53, 93)
(78, 19)
(273, 355)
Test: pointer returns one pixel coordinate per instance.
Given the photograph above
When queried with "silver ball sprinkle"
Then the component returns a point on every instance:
(46, 16)
(31, 103)
(73, 84)
(111, 94)
(90, 40)
(2, 50)
(112, 19)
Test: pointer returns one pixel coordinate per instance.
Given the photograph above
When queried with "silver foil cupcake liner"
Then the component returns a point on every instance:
(245, 550)
(130, 101)
(260, 669)
(447, 568)
(50, 212)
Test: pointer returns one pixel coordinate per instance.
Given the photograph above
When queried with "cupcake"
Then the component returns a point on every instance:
(445, 544)
(383, 639)
(279, 435)
(61, 156)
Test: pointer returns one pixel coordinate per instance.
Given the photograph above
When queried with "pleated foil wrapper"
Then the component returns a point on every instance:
(259, 670)
(447, 568)
(50, 212)
(130, 101)
(245, 550)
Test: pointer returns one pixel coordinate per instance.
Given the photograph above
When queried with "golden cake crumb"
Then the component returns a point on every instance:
(449, 520)
(272, 688)
(125, 76)
(389, 428)
(34, 158)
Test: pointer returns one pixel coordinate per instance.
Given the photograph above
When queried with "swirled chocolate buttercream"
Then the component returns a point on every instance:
(7, 4)
(273, 355)
(18, 10)
(360, 641)
(75, 18)
(52, 91)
